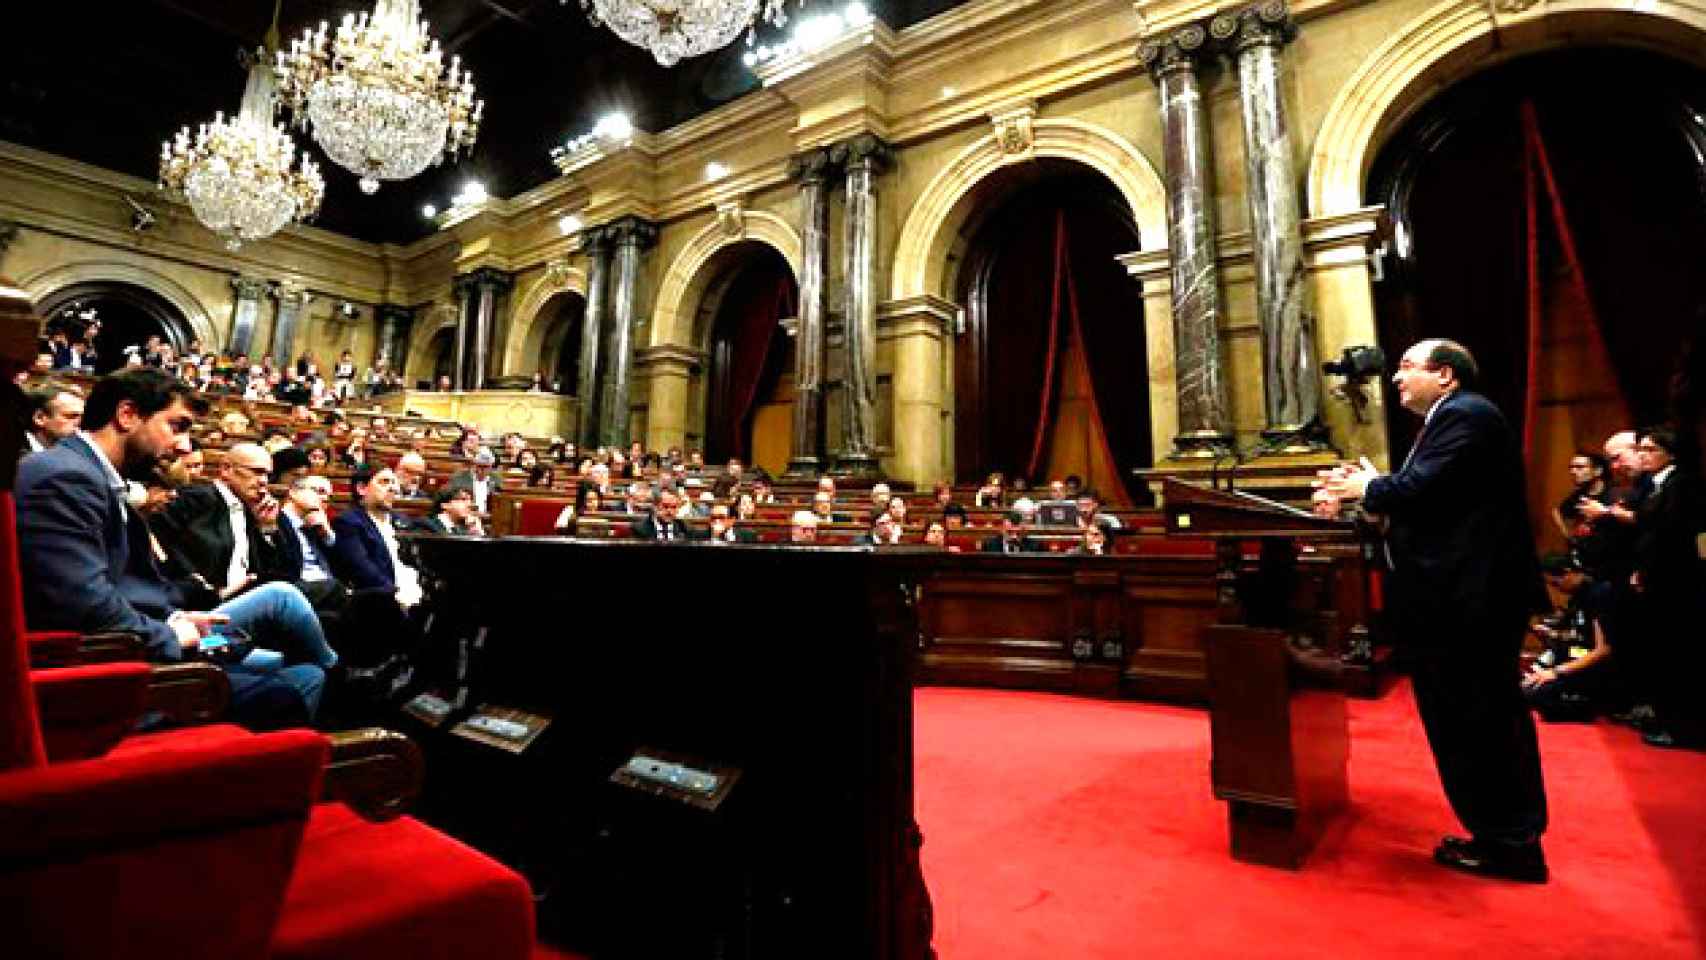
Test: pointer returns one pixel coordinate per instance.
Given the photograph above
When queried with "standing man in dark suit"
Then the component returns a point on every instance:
(1465, 580)
(1667, 582)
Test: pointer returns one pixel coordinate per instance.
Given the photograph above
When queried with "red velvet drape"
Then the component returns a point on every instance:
(746, 325)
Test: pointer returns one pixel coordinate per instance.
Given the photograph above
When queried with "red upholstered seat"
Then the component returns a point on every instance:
(399, 889)
(538, 515)
(183, 844)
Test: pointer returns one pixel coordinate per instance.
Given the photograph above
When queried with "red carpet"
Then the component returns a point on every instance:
(1062, 827)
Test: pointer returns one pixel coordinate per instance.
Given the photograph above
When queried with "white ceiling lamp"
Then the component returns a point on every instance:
(376, 96)
(674, 29)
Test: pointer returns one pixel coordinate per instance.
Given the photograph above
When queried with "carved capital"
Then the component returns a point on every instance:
(291, 292)
(867, 151)
(1015, 131)
(633, 232)
(1179, 50)
(390, 314)
(494, 278)
(812, 167)
(731, 219)
(1263, 24)
(249, 288)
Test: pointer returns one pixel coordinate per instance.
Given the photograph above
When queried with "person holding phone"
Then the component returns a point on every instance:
(86, 565)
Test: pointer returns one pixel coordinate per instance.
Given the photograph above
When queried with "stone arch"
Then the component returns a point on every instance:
(44, 284)
(526, 333)
(685, 282)
(920, 265)
(432, 319)
(1455, 39)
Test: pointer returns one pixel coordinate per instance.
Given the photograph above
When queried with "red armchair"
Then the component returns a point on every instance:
(209, 842)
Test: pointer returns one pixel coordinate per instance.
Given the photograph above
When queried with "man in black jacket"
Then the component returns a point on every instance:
(227, 530)
(1667, 583)
(662, 524)
(1464, 582)
(1012, 538)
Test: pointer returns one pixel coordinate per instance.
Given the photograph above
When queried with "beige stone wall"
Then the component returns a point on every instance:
(940, 91)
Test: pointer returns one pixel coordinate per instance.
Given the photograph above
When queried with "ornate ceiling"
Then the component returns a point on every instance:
(106, 82)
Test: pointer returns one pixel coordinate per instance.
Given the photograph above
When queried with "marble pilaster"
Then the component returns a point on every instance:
(598, 252)
(864, 157)
(1205, 412)
(1255, 37)
(483, 287)
(245, 313)
(631, 238)
(393, 345)
(292, 299)
(812, 170)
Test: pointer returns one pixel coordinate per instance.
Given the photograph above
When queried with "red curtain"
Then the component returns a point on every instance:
(746, 328)
(1571, 395)
(1071, 436)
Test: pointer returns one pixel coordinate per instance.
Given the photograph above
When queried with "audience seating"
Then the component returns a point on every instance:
(208, 842)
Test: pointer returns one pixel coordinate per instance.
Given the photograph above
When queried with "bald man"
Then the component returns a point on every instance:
(1463, 583)
(227, 530)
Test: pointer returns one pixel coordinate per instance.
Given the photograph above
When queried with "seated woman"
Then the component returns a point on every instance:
(587, 500)
(1574, 679)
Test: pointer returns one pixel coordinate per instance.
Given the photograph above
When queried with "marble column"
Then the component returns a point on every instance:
(292, 300)
(864, 158)
(484, 286)
(393, 346)
(597, 245)
(1256, 37)
(631, 238)
(1205, 411)
(467, 301)
(245, 313)
(813, 170)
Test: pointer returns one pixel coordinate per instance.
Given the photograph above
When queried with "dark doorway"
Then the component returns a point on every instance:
(560, 346)
(442, 350)
(128, 316)
(1560, 201)
(748, 352)
(1034, 218)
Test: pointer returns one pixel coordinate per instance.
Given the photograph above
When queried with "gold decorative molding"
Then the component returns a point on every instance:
(1015, 131)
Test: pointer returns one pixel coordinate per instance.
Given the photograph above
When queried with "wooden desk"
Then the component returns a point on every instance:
(792, 665)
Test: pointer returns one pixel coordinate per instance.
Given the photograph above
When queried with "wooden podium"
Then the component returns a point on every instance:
(1277, 707)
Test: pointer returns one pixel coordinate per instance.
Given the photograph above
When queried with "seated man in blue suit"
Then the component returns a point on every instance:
(87, 564)
(365, 551)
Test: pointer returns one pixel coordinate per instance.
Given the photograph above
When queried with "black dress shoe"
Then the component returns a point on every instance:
(1506, 861)
(1451, 842)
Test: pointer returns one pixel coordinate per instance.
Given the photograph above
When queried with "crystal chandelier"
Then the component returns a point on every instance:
(239, 175)
(672, 29)
(376, 97)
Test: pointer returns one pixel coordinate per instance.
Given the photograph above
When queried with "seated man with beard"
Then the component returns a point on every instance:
(86, 559)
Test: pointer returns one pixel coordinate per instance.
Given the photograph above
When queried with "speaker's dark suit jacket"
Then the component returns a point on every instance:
(75, 540)
(1459, 538)
(197, 527)
(1464, 580)
(359, 555)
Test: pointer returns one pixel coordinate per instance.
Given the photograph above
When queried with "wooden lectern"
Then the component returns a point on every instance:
(1277, 708)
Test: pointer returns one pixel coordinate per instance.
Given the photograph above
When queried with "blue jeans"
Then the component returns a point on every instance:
(280, 618)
